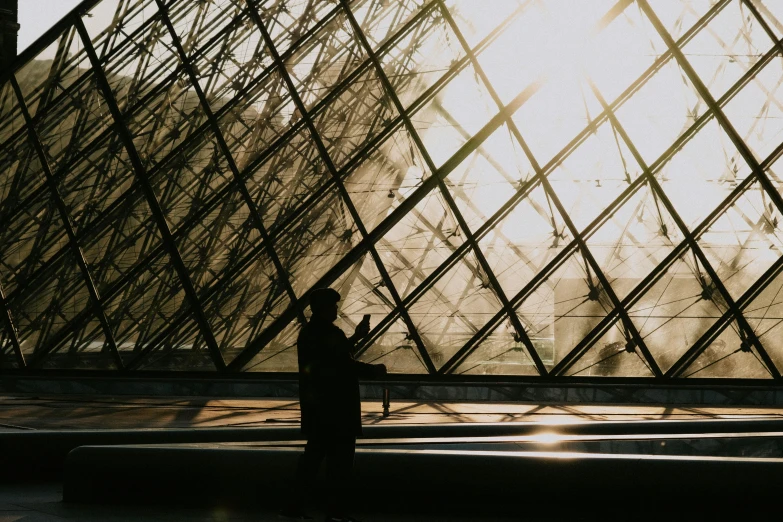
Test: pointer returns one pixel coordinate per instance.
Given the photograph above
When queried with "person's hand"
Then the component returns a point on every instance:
(381, 370)
(362, 329)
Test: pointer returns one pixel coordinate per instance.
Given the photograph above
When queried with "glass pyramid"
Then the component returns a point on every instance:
(512, 187)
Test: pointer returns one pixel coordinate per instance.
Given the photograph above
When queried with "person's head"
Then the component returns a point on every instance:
(323, 303)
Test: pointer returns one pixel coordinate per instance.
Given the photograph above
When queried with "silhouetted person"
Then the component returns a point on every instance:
(330, 405)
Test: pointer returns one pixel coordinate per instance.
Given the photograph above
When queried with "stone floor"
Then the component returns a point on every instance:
(21, 412)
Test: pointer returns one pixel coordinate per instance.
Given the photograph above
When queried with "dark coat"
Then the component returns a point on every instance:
(329, 382)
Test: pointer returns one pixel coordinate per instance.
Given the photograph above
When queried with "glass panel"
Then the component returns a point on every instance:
(565, 308)
(242, 306)
(724, 50)
(614, 354)
(232, 61)
(379, 20)
(593, 175)
(745, 241)
(191, 180)
(84, 349)
(198, 22)
(363, 291)
(279, 355)
(182, 349)
(419, 243)
(100, 178)
(489, 177)
(708, 165)
(678, 16)
(217, 242)
(317, 241)
(165, 119)
(11, 119)
(288, 21)
(381, 182)
(152, 300)
(326, 58)
(44, 311)
(765, 317)
(117, 244)
(354, 118)
(660, 111)
(284, 185)
(21, 177)
(525, 240)
(772, 12)
(757, 111)
(258, 119)
(35, 236)
(634, 240)
(423, 56)
(395, 348)
(501, 354)
(447, 122)
(475, 21)
(459, 303)
(677, 310)
(728, 356)
(46, 80)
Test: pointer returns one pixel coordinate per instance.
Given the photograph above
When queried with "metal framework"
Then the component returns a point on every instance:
(545, 188)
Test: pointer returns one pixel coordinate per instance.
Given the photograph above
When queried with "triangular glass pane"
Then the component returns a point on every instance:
(677, 309)
(727, 356)
(451, 312)
(489, 177)
(765, 316)
(84, 349)
(610, 357)
(395, 348)
(500, 354)
(564, 308)
(590, 178)
(708, 165)
(183, 349)
(744, 241)
(381, 182)
(280, 354)
(422, 240)
(524, 241)
(634, 240)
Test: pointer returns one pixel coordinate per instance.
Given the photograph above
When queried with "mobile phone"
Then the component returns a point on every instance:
(366, 318)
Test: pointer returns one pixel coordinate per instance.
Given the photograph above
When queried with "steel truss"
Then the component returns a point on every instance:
(177, 176)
